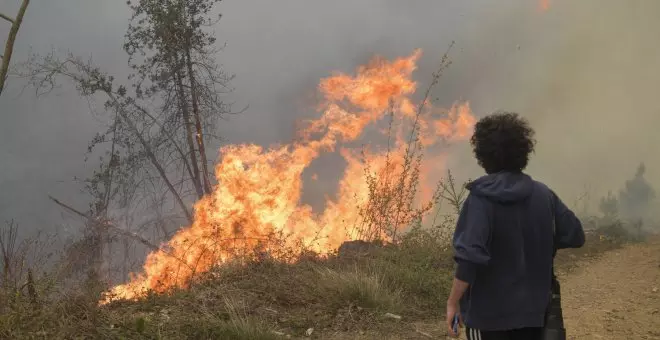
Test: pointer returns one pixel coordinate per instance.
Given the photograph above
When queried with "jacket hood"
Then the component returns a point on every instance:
(504, 187)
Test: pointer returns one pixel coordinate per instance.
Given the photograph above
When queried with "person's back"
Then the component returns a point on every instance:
(504, 240)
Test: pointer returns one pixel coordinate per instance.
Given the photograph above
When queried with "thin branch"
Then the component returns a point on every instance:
(120, 231)
(155, 162)
(89, 81)
(68, 207)
(168, 135)
(3, 16)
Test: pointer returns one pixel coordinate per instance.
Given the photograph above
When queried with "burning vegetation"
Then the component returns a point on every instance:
(255, 208)
(544, 5)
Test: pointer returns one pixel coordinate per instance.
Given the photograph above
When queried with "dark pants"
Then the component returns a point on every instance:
(515, 334)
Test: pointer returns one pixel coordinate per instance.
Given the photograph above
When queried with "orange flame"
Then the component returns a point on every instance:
(544, 5)
(256, 204)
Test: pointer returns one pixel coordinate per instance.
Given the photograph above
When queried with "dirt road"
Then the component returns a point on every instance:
(616, 296)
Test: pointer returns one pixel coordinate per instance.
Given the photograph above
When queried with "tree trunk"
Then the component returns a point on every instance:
(198, 120)
(9, 46)
(189, 134)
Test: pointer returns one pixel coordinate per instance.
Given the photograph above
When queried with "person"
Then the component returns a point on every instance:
(506, 236)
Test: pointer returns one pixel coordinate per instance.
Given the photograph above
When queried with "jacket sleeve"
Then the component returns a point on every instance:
(568, 228)
(471, 238)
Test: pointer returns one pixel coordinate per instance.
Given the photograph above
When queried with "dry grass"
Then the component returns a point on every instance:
(255, 300)
(358, 288)
(264, 300)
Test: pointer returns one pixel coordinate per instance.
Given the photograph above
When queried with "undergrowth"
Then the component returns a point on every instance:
(258, 300)
(267, 299)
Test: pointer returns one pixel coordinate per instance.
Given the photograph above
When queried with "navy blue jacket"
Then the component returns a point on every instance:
(504, 249)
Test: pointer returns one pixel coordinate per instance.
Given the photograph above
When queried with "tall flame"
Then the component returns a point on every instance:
(256, 204)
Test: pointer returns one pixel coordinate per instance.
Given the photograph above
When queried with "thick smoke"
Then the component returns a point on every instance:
(635, 202)
(585, 73)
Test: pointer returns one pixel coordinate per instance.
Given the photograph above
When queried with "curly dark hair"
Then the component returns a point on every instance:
(503, 141)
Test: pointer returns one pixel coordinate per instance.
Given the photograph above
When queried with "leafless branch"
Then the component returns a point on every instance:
(109, 225)
(3, 16)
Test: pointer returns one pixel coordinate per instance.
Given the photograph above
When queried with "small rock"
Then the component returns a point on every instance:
(270, 310)
(392, 316)
(655, 289)
(309, 331)
(164, 315)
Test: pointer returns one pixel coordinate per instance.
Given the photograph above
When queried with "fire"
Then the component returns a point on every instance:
(255, 208)
(544, 5)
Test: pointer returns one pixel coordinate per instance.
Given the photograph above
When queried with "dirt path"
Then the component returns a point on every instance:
(616, 296)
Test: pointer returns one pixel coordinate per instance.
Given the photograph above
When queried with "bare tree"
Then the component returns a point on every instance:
(176, 103)
(11, 38)
(159, 120)
(173, 57)
(133, 145)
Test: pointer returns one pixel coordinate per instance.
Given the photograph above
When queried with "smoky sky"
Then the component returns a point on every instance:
(585, 73)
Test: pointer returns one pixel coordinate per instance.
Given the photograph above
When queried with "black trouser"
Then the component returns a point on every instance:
(514, 334)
